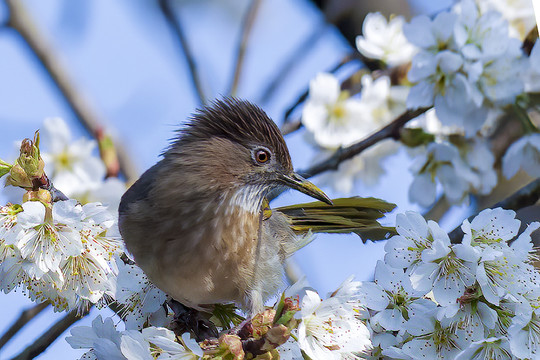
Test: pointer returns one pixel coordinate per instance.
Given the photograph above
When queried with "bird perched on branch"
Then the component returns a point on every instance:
(198, 223)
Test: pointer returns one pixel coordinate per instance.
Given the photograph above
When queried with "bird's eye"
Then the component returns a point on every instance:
(262, 156)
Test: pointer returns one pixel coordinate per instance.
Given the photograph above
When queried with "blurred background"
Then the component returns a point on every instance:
(127, 64)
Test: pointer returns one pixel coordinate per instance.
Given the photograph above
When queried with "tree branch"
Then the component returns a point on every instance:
(526, 196)
(25, 317)
(438, 210)
(176, 27)
(247, 25)
(47, 338)
(21, 21)
(389, 131)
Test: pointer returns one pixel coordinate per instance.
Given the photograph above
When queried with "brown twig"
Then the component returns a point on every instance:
(21, 21)
(290, 126)
(25, 317)
(47, 338)
(526, 196)
(438, 209)
(247, 25)
(390, 131)
(176, 27)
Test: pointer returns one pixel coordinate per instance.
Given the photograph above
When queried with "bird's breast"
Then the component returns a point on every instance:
(213, 260)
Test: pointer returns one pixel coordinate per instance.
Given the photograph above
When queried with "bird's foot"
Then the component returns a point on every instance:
(192, 320)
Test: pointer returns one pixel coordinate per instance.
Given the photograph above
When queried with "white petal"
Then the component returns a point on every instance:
(412, 225)
(423, 190)
(418, 32)
(424, 64)
(438, 250)
(449, 62)
(488, 290)
(55, 135)
(324, 88)
(390, 319)
(422, 277)
(372, 296)
(421, 95)
(399, 253)
(33, 214)
(496, 223)
(447, 289)
(134, 347)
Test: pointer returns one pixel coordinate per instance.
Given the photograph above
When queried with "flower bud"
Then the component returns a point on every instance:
(276, 336)
(28, 166)
(262, 322)
(17, 177)
(231, 345)
(30, 159)
(39, 195)
(108, 153)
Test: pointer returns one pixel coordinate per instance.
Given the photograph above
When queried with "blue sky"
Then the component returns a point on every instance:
(124, 60)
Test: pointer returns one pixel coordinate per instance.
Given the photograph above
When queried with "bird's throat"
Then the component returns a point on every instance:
(249, 198)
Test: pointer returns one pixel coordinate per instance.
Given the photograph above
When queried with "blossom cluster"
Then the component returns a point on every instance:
(104, 341)
(432, 299)
(59, 253)
(62, 251)
(468, 66)
(332, 328)
(74, 168)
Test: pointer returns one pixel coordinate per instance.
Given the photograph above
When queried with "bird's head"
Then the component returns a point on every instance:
(233, 144)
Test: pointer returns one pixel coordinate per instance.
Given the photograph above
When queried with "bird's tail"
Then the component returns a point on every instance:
(347, 215)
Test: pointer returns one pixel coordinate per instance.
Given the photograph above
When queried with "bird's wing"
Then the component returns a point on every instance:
(354, 214)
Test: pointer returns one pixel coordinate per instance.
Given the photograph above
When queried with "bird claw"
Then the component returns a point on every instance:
(192, 320)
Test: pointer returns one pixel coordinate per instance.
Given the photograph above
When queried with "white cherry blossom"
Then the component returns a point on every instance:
(524, 332)
(445, 269)
(46, 242)
(391, 295)
(467, 65)
(519, 13)
(433, 339)
(531, 75)
(404, 250)
(140, 299)
(101, 338)
(329, 329)
(384, 40)
(460, 170)
(523, 154)
(71, 165)
(330, 115)
(493, 348)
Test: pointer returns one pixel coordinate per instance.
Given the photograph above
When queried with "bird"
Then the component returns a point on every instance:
(198, 222)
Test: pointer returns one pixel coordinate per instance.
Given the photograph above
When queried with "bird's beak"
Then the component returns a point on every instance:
(295, 181)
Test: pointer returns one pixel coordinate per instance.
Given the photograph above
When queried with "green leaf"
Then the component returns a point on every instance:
(4, 167)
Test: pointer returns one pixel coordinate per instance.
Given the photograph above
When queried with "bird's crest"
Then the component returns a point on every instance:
(237, 120)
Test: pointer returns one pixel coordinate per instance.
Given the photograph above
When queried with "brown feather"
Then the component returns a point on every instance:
(237, 120)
